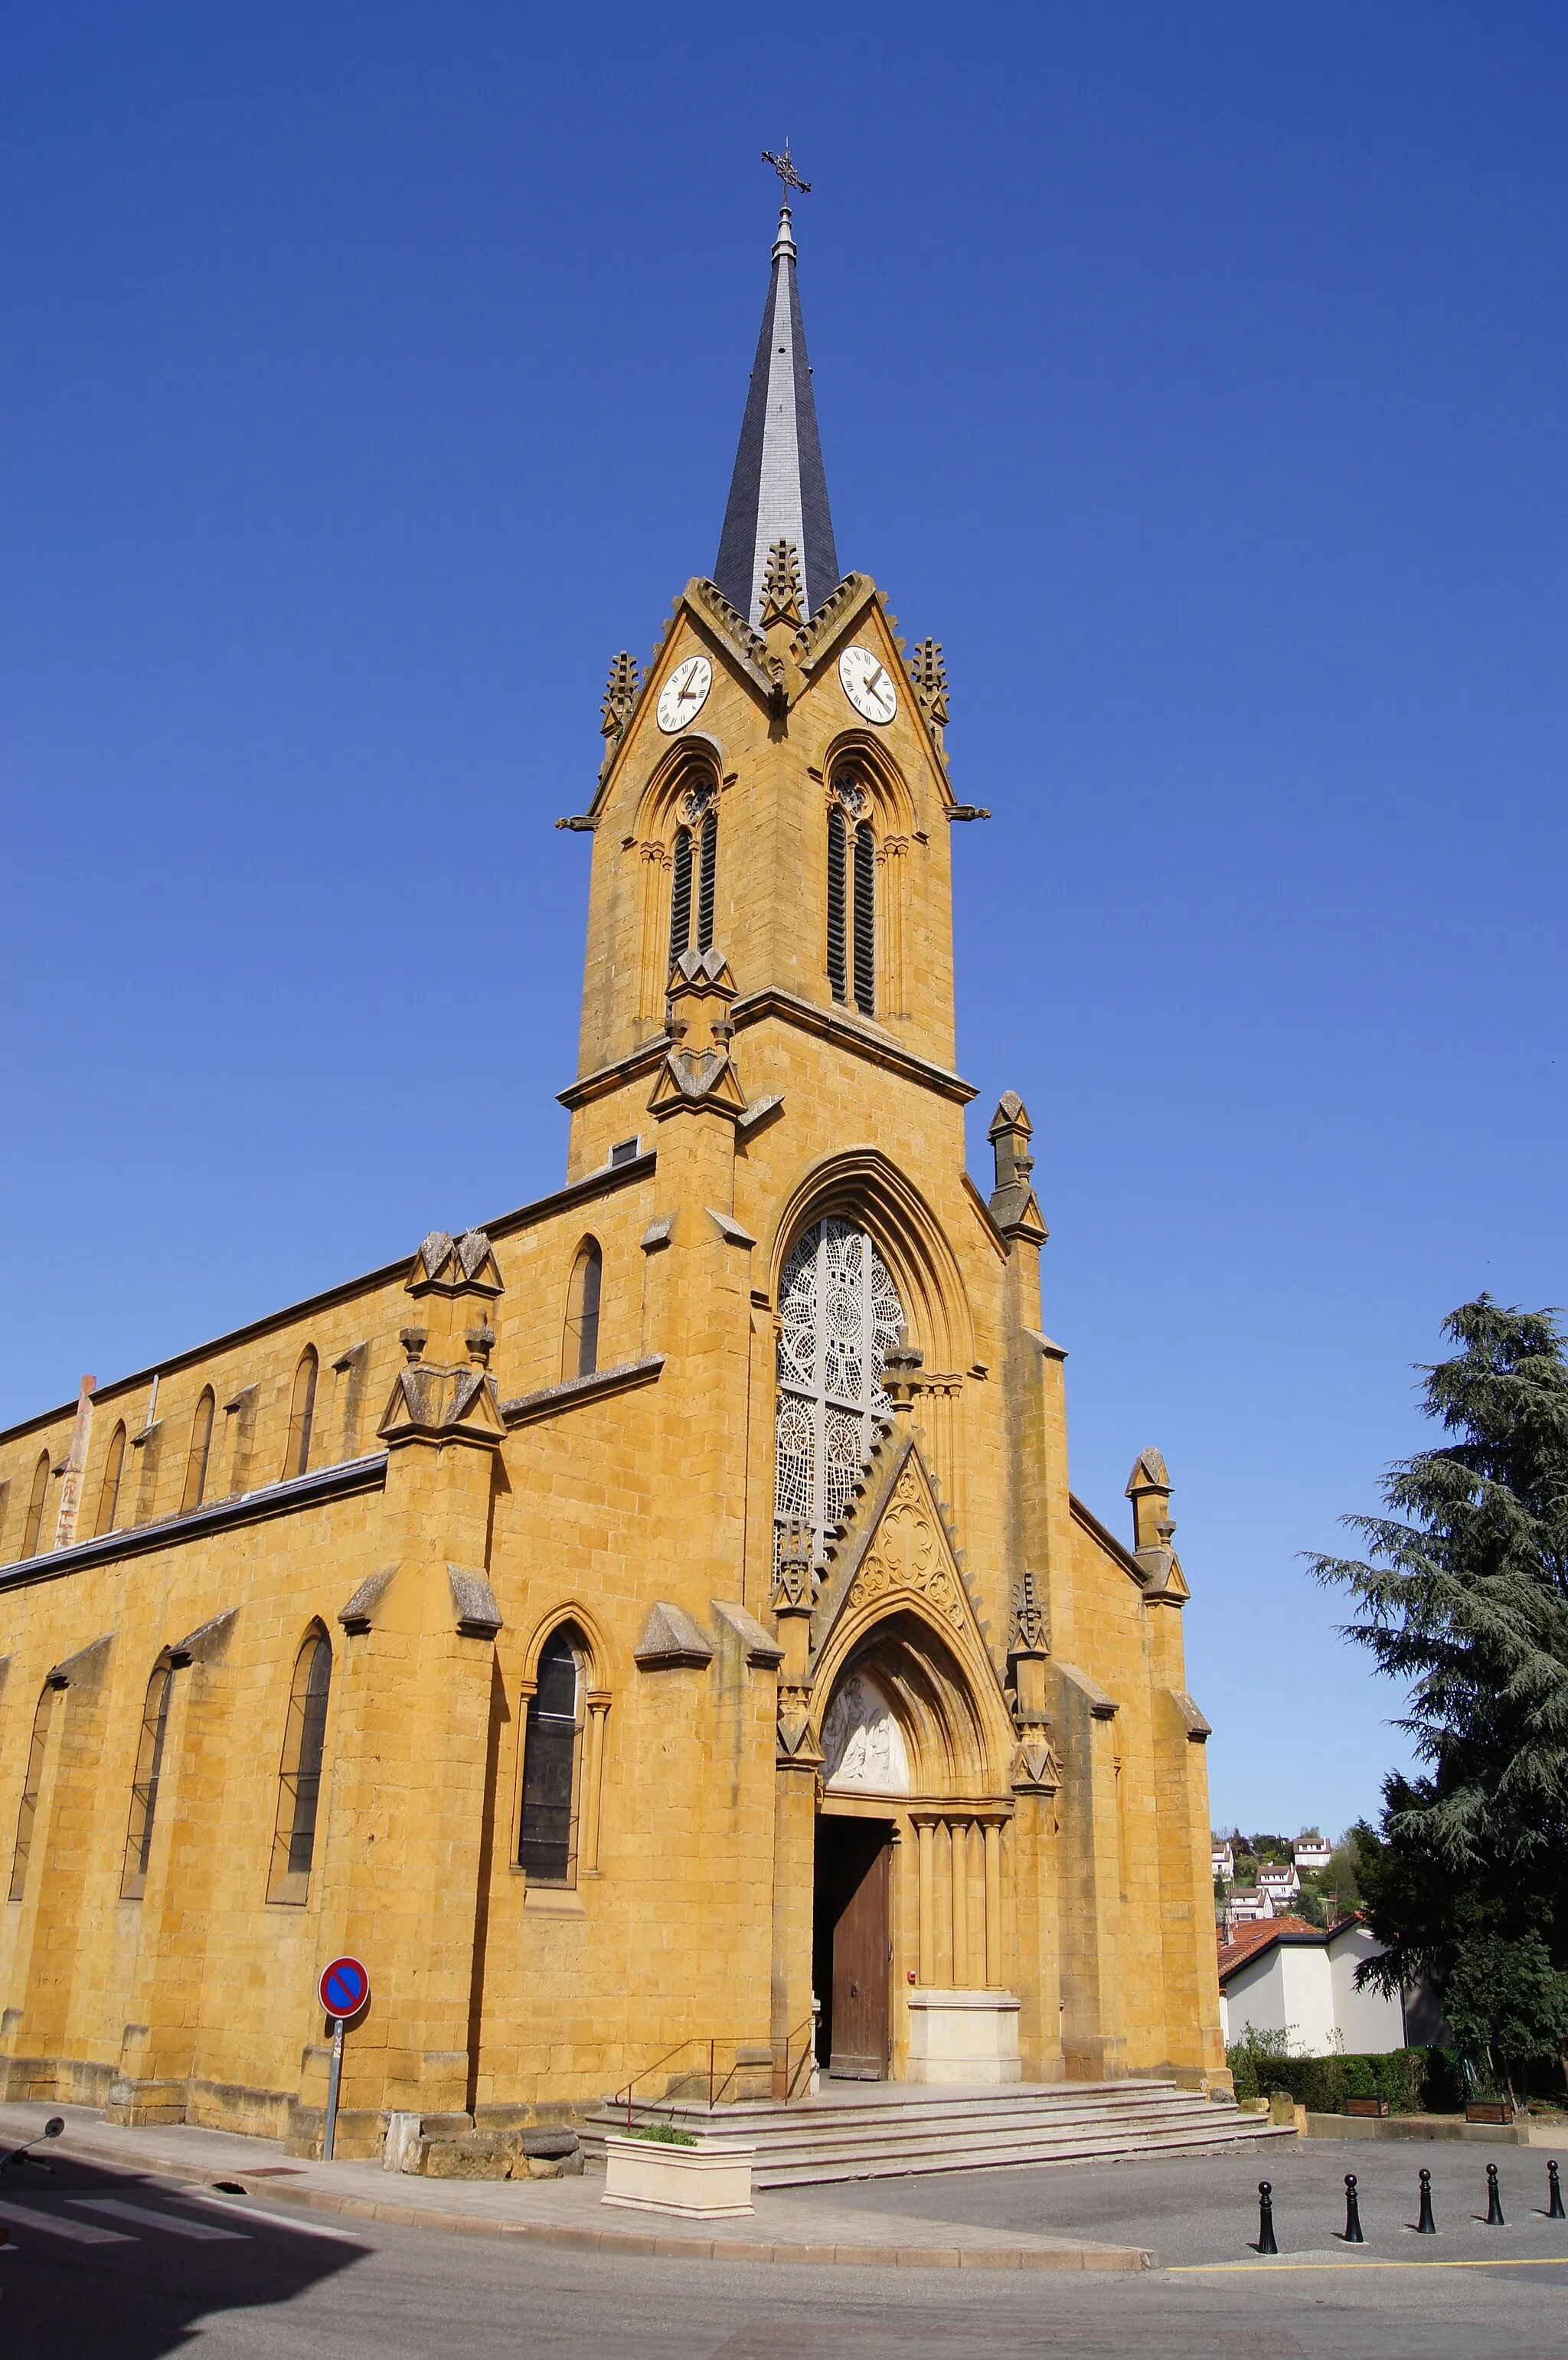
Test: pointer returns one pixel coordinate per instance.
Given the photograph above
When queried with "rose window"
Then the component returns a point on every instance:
(839, 1312)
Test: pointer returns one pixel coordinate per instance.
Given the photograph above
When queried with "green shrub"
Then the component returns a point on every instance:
(662, 2134)
(1260, 2064)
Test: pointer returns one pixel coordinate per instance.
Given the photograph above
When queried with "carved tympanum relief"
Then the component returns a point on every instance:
(863, 1745)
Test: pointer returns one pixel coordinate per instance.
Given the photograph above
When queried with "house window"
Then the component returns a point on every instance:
(625, 1151)
(113, 1468)
(33, 1527)
(299, 1778)
(547, 1840)
(839, 1313)
(580, 1351)
(144, 1786)
(27, 1814)
(301, 1414)
(200, 1452)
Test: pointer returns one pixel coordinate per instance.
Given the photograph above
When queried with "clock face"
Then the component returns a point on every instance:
(867, 685)
(680, 699)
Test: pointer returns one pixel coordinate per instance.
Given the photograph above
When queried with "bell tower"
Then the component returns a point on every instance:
(774, 789)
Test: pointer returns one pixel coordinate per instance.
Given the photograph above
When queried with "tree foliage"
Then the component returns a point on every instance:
(1464, 1597)
(1507, 2003)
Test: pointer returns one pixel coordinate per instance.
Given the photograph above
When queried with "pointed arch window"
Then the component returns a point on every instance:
(695, 873)
(114, 1469)
(839, 1313)
(143, 1785)
(852, 896)
(27, 1815)
(32, 1528)
(547, 1836)
(579, 1348)
(300, 1776)
(301, 1414)
(200, 1452)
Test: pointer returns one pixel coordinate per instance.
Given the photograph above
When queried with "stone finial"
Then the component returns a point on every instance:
(929, 673)
(793, 1584)
(901, 1369)
(1148, 1489)
(620, 696)
(1027, 1626)
(781, 593)
(1014, 1207)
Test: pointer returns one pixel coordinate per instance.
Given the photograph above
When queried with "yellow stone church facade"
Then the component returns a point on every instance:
(660, 1617)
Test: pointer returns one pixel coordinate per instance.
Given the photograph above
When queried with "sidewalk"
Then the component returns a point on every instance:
(569, 2212)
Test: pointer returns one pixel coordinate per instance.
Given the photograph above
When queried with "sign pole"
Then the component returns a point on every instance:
(334, 2080)
(344, 1989)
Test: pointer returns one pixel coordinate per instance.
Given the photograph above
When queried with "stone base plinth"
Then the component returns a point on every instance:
(964, 2036)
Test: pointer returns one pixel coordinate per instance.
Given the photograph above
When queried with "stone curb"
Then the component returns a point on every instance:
(646, 2242)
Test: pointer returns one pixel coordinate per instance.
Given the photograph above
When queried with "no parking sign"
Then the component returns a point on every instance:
(344, 1987)
(342, 1990)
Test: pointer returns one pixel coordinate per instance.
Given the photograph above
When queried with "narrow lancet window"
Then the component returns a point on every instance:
(547, 1846)
(200, 1452)
(864, 921)
(580, 1352)
(113, 1468)
(27, 1814)
(32, 1530)
(680, 896)
(706, 879)
(299, 1778)
(144, 1786)
(301, 1414)
(838, 897)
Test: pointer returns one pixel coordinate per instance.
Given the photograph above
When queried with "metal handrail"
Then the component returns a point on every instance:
(809, 2027)
(694, 2042)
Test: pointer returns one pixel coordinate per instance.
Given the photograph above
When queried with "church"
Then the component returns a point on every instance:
(652, 1629)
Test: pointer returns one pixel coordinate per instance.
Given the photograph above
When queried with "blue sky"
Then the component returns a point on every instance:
(1196, 375)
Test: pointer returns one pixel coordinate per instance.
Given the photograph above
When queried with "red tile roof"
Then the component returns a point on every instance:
(1250, 1939)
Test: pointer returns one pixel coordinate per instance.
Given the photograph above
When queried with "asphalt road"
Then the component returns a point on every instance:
(110, 2264)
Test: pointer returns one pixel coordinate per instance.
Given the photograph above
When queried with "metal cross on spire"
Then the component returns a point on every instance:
(785, 167)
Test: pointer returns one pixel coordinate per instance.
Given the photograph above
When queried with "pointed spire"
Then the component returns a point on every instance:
(778, 491)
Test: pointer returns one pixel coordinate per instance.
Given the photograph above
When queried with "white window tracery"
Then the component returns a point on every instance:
(839, 1313)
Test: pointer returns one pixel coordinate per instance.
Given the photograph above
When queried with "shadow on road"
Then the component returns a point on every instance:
(105, 2263)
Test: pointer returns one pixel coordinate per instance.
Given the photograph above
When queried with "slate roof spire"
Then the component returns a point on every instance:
(778, 491)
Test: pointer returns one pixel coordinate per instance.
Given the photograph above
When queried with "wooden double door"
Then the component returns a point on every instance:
(852, 1947)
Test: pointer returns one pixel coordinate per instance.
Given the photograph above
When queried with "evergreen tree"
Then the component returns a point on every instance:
(1466, 1600)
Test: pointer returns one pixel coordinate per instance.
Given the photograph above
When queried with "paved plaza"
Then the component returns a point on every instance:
(110, 2259)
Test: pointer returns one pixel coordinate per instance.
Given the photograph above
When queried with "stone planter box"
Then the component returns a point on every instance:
(1375, 2107)
(708, 2182)
(1489, 2110)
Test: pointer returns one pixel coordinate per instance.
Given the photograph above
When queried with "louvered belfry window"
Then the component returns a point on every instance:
(839, 1313)
(838, 899)
(864, 922)
(706, 879)
(680, 896)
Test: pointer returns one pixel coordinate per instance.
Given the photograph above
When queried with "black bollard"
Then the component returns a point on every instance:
(1494, 2201)
(1265, 2219)
(1426, 2226)
(1352, 2236)
(1554, 2210)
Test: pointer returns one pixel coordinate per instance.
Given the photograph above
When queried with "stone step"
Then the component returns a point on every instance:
(813, 2141)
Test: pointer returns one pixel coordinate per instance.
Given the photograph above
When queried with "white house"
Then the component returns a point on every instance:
(1281, 1886)
(1245, 1905)
(1312, 1854)
(1224, 1863)
(1295, 1980)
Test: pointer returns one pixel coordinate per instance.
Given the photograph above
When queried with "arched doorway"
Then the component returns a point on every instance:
(909, 1950)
